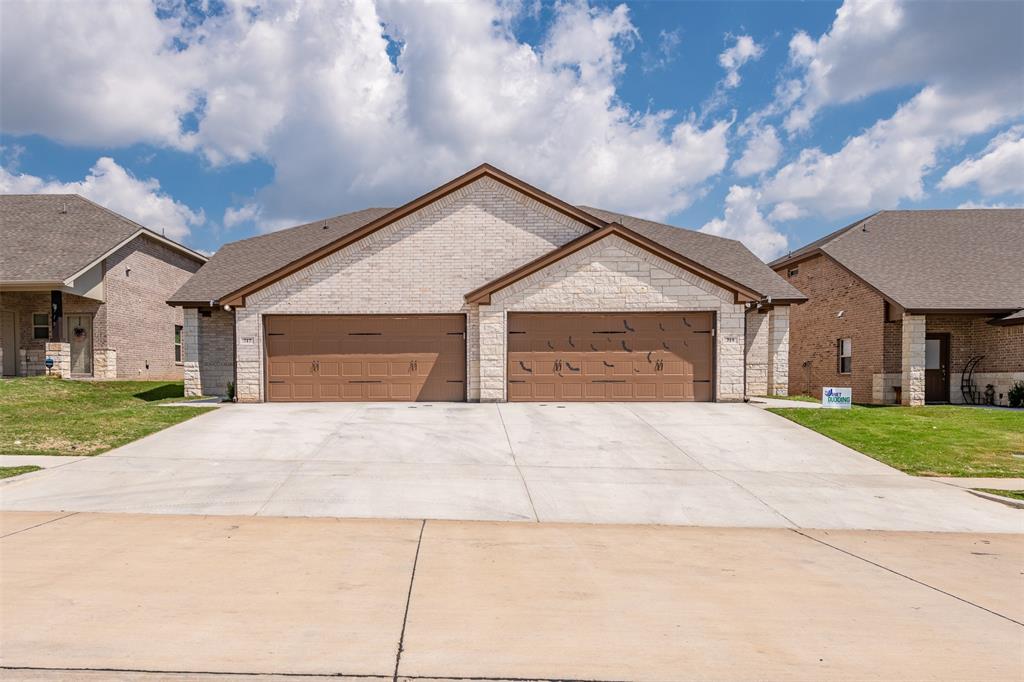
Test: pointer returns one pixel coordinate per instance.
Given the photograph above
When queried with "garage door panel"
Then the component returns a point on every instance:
(622, 356)
(347, 357)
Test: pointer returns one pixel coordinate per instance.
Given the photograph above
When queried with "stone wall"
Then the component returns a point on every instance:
(1001, 383)
(423, 263)
(913, 350)
(757, 337)
(883, 388)
(60, 353)
(613, 275)
(778, 350)
(104, 363)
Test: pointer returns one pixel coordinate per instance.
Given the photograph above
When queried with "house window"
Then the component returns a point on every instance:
(40, 326)
(177, 343)
(845, 355)
(793, 272)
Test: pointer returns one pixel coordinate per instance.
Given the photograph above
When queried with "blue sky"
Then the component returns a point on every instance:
(769, 122)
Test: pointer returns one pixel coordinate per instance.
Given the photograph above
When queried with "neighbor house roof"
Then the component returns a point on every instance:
(932, 260)
(241, 267)
(53, 238)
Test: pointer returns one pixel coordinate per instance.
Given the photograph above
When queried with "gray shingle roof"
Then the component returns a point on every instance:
(51, 237)
(239, 263)
(962, 259)
(725, 256)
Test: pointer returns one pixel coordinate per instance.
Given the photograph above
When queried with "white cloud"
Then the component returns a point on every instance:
(308, 85)
(664, 54)
(999, 169)
(93, 73)
(762, 153)
(246, 213)
(982, 204)
(110, 185)
(742, 51)
(876, 45)
(743, 221)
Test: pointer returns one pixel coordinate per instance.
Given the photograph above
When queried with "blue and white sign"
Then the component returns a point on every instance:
(837, 398)
(48, 362)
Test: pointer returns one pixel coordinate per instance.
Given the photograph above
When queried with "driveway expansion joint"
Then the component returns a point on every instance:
(15, 532)
(904, 575)
(408, 600)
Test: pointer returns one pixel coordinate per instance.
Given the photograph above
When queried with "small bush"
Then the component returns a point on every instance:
(1016, 394)
(231, 391)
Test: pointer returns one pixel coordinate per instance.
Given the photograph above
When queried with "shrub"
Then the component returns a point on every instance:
(231, 391)
(1016, 394)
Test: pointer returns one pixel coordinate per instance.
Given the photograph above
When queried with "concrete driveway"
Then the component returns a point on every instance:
(649, 463)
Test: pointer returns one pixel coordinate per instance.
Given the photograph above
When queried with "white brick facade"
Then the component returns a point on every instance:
(427, 261)
(612, 275)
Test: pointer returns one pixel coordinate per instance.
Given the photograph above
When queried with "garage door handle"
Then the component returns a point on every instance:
(366, 382)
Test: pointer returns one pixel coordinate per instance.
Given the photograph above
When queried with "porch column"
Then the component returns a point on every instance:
(56, 316)
(914, 327)
(778, 350)
(190, 353)
(492, 354)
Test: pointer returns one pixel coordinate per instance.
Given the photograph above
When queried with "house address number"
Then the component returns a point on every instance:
(248, 340)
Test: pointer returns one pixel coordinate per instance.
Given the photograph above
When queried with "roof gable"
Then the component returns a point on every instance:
(483, 294)
(237, 297)
(52, 238)
(960, 259)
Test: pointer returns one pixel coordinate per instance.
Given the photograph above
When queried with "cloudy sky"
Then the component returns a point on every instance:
(768, 122)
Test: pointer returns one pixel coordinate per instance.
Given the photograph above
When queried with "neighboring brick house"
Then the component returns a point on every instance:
(921, 305)
(486, 289)
(87, 288)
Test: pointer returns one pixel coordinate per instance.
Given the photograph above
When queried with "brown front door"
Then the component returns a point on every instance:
(611, 357)
(79, 336)
(936, 368)
(366, 357)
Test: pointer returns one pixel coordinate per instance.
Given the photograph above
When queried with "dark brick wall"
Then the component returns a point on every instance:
(815, 327)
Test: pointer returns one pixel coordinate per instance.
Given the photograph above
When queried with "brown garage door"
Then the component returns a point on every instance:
(594, 357)
(366, 357)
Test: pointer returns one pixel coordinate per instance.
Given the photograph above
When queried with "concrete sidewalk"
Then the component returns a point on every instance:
(389, 599)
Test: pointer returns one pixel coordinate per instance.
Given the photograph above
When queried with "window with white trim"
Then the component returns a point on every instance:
(177, 342)
(41, 326)
(845, 347)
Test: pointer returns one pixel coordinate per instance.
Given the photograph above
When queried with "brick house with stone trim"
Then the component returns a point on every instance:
(903, 304)
(87, 288)
(486, 289)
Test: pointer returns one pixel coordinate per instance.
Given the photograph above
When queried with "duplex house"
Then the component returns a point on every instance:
(911, 307)
(485, 289)
(83, 291)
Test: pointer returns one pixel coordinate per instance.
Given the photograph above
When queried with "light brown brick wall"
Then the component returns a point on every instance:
(815, 328)
(139, 323)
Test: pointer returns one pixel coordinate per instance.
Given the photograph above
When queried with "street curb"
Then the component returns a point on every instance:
(1008, 501)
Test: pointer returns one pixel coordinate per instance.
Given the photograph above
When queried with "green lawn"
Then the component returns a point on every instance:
(797, 398)
(46, 416)
(941, 440)
(1012, 494)
(7, 472)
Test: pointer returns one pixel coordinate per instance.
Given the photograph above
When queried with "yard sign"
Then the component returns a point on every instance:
(837, 398)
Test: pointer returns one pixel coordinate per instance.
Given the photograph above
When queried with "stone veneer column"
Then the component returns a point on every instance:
(731, 344)
(778, 350)
(757, 353)
(190, 353)
(61, 354)
(104, 363)
(249, 356)
(492, 354)
(914, 327)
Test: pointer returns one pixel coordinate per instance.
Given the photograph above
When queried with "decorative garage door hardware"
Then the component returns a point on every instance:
(663, 359)
(333, 358)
